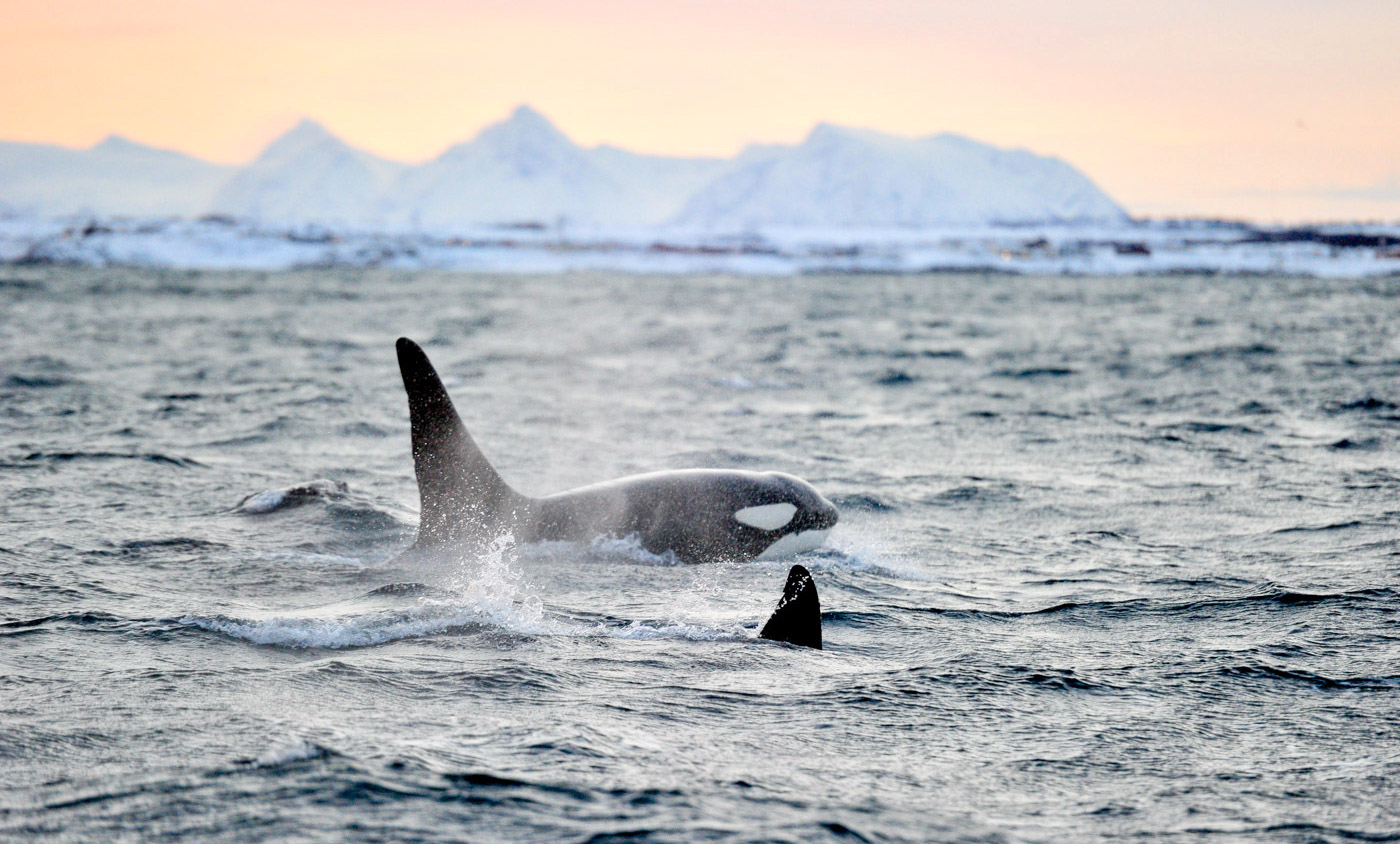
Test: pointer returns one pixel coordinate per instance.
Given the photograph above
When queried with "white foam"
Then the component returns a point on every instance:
(263, 502)
(689, 632)
(739, 382)
(348, 632)
(287, 753)
(851, 552)
(490, 593)
(317, 559)
(432, 617)
(274, 499)
(484, 592)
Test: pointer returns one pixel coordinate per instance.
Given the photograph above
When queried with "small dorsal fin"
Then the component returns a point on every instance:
(461, 496)
(798, 618)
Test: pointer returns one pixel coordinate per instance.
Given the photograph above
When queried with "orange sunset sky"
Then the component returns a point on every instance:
(1267, 109)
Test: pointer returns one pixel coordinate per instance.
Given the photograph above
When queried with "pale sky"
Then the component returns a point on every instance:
(1268, 109)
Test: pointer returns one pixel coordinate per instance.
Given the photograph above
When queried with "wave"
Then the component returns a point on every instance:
(27, 626)
(898, 686)
(287, 753)
(438, 616)
(896, 378)
(868, 502)
(331, 503)
(1364, 444)
(349, 632)
(1035, 372)
(1314, 832)
(740, 382)
(310, 559)
(489, 595)
(690, 632)
(996, 493)
(28, 284)
(1321, 681)
(1198, 427)
(80, 618)
(1270, 595)
(1367, 403)
(1347, 525)
(1063, 679)
(273, 500)
(71, 456)
(1222, 353)
(846, 551)
(36, 382)
(178, 542)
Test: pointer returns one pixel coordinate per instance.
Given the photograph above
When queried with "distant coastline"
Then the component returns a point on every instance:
(1174, 247)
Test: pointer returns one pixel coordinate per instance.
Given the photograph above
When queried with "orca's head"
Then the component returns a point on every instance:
(792, 516)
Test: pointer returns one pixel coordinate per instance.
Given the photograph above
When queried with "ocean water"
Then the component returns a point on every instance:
(1118, 559)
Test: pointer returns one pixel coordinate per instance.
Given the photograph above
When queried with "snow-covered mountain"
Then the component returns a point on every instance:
(309, 175)
(520, 170)
(524, 170)
(841, 177)
(117, 177)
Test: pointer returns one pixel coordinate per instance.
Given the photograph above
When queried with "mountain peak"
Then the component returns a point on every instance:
(124, 148)
(116, 143)
(525, 125)
(844, 176)
(825, 133)
(308, 130)
(834, 135)
(305, 135)
(526, 138)
(526, 115)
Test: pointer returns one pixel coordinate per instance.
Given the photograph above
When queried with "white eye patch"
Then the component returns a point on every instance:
(766, 516)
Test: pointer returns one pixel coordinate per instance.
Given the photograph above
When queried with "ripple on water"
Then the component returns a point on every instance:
(1116, 560)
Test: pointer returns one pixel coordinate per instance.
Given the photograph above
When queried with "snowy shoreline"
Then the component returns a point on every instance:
(1134, 248)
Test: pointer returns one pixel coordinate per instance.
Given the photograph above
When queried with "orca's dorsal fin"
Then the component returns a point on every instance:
(798, 618)
(461, 496)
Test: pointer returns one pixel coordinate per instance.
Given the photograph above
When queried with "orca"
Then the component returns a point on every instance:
(699, 515)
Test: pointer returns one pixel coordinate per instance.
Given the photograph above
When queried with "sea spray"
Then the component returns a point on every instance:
(493, 585)
(487, 592)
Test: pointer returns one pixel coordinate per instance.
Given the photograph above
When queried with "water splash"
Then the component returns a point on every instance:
(476, 594)
(690, 632)
(494, 586)
(850, 550)
(630, 548)
(288, 752)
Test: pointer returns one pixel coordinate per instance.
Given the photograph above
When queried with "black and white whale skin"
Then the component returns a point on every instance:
(700, 515)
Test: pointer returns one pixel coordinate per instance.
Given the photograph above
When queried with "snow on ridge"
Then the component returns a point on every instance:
(520, 170)
(524, 170)
(840, 176)
(306, 175)
(114, 177)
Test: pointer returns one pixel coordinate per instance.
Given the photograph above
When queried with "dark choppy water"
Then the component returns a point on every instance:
(1118, 559)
